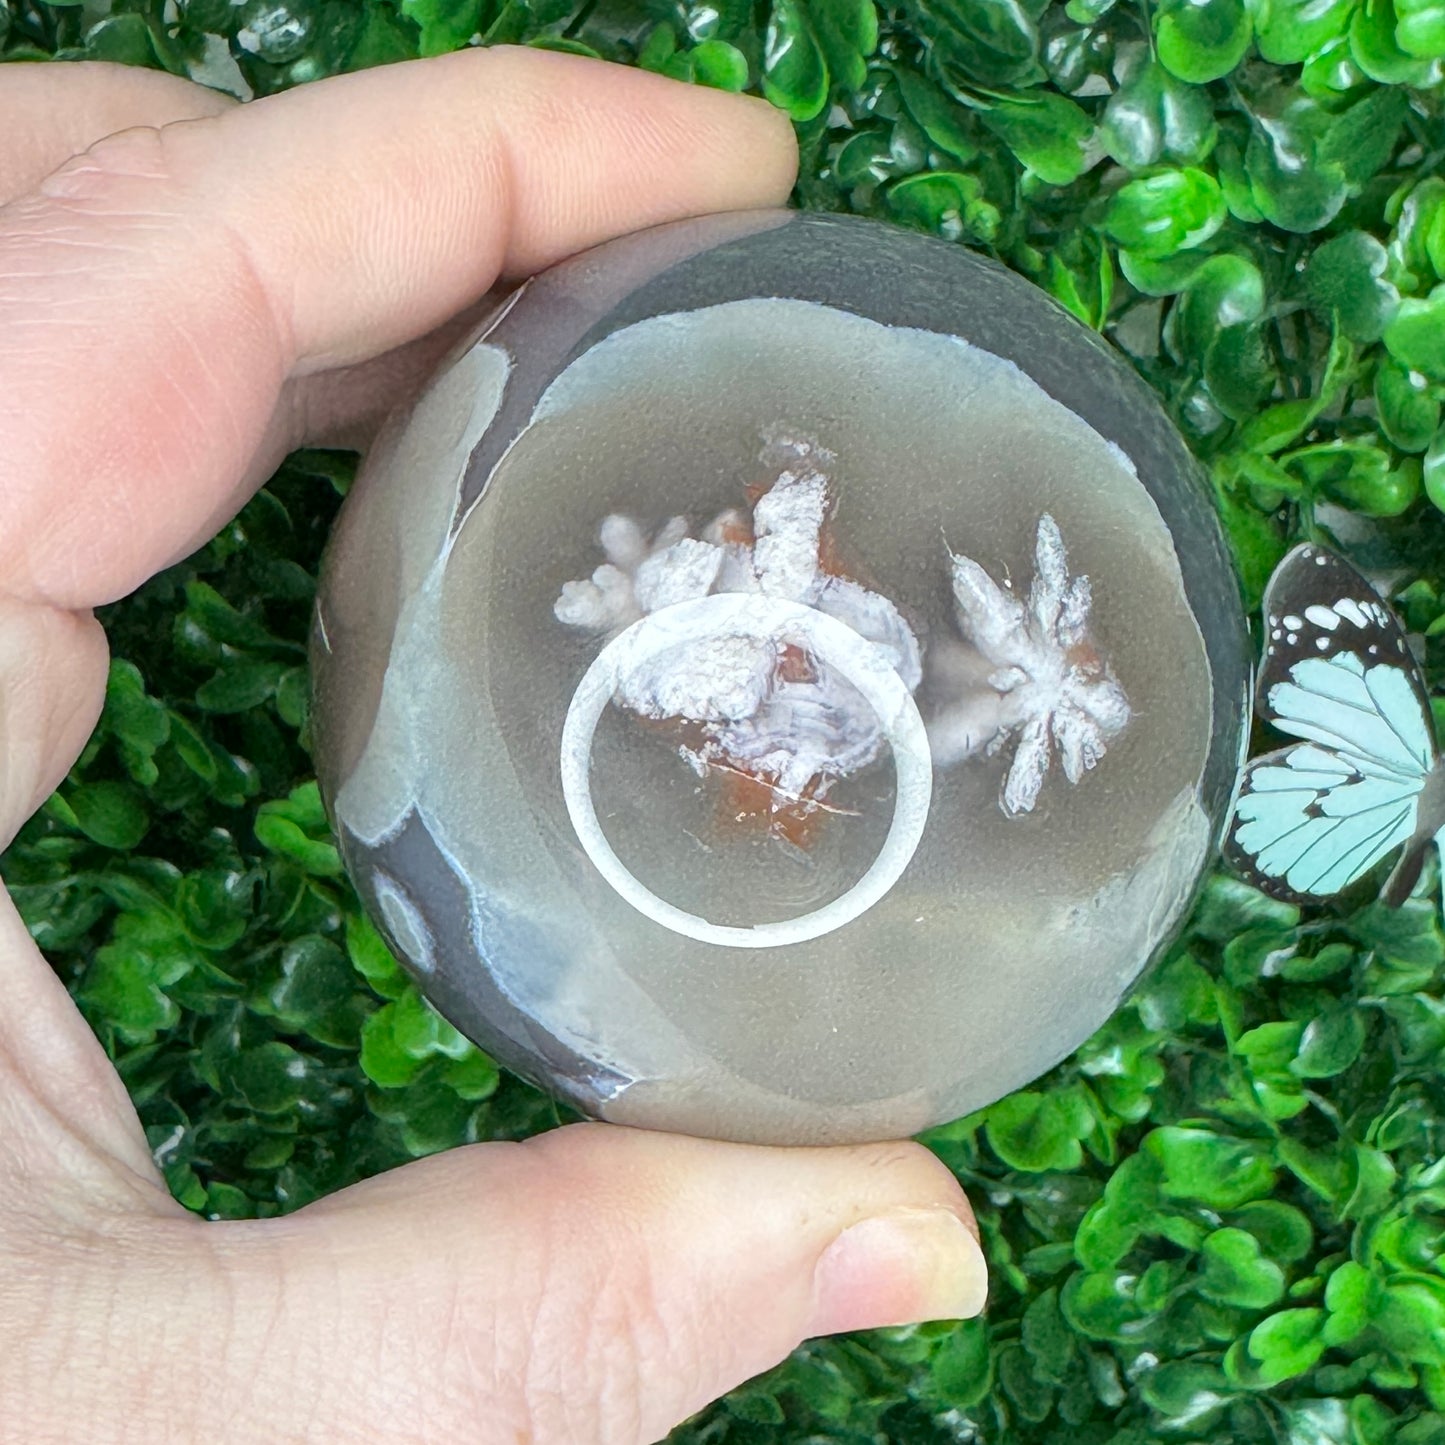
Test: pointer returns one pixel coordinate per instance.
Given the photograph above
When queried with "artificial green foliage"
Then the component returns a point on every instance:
(1224, 1218)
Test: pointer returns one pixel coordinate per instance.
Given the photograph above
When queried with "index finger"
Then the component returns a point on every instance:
(156, 292)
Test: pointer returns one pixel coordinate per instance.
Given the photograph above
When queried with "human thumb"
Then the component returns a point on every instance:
(594, 1284)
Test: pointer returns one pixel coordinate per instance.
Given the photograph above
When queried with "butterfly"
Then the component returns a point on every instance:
(1312, 818)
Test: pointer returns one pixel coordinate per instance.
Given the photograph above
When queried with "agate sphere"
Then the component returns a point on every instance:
(783, 680)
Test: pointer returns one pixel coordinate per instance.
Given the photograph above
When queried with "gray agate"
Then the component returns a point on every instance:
(782, 681)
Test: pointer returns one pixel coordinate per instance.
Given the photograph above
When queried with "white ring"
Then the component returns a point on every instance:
(742, 614)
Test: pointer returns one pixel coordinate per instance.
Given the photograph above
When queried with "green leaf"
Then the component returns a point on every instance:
(1161, 275)
(1410, 1321)
(1284, 1232)
(139, 723)
(962, 1370)
(315, 990)
(944, 123)
(1129, 1209)
(1236, 1272)
(1152, 116)
(1361, 140)
(420, 1031)
(1356, 473)
(297, 829)
(1188, 1395)
(1420, 28)
(1415, 336)
(1036, 1132)
(1218, 1172)
(1047, 1337)
(1291, 186)
(1081, 276)
(1346, 276)
(473, 1076)
(1374, 44)
(381, 41)
(1434, 470)
(995, 42)
(123, 39)
(1290, 31)
(443, 24)
(383, 1059)
(111, 814)
(720, 65)
(1353, 1297)
(372, 959)
(270, 1078)
(293, 697)
(847, 31)
(122, 986)
(1048, 133)
(1407, 405)
(1238, 371)
(1331, 1043)
(1287, 1344)
(1102, 1306)
(944, 202)
(241, 683)
(1168, 211)
(1031, 1398)
(1201, 40)
(795, 76)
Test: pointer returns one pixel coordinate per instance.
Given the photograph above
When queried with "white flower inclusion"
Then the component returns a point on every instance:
(1028, 674)
(763, 708)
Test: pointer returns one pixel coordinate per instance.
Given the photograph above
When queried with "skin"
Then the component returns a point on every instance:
(188, 289)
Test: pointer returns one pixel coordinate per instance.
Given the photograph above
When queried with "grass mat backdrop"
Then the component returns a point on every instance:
(1224, 1218)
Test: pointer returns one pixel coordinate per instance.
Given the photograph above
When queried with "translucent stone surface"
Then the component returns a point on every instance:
(782, 681)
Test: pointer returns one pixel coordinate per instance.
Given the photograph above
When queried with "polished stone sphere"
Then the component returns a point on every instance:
(783, 680)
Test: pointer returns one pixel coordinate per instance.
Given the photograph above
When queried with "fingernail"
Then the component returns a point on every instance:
(899, 1268)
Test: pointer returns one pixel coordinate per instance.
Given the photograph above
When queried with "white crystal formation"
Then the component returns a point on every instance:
(1026, 673)
(762, 707)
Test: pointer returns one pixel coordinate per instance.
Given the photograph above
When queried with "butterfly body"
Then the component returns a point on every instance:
(1366, 776)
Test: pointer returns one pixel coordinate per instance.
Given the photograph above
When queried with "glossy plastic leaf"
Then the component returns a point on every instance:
(795, 75)
(1287, 32)
(720, 65)
(1169, 211)
(1216, 1171)
(1290, 185)
(1408, 406)
(1048, 133)
(444, 24)
(1153, 116)
(1415, 335)
(1420, 28)
(847, 31)
(1201, 40)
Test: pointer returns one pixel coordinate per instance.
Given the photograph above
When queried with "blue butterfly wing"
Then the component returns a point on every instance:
(1313, 818)
(1308, 823)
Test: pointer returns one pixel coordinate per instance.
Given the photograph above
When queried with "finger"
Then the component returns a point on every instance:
(49, 113)
(190, 270)
(52, 683)
(344, 407)
(64, 1116)
(595, 1284)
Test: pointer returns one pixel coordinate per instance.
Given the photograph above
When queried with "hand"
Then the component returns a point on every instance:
(189, 289)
